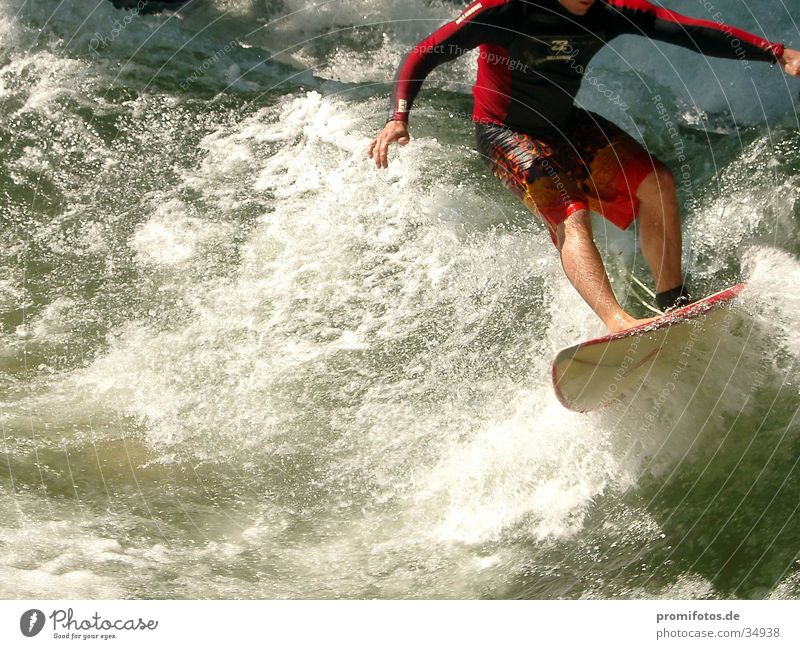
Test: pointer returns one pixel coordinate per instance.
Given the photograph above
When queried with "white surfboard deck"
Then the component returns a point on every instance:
(593, 374)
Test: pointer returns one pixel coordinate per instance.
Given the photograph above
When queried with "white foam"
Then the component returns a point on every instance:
(538, 469)
(171, 237)
(350, 265)
(57, 559)
(771, 297)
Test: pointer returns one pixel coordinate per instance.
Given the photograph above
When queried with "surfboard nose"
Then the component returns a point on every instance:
(595, 373)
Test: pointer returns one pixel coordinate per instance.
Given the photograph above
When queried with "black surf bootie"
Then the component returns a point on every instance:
(674, 298)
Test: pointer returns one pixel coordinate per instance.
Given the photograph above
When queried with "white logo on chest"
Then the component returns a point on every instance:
(560, 46)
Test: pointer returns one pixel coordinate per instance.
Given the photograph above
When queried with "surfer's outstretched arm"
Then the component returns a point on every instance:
(705, 36)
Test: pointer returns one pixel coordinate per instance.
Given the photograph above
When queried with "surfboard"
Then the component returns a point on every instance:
(595, 373)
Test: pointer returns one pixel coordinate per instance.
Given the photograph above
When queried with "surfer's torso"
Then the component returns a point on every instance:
(533, 55)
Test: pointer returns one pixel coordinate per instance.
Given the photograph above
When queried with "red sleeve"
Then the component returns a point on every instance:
(704, 36)
(484, 21)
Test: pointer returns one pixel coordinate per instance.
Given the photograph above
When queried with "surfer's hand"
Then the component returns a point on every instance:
(394, 131)
(790, 62)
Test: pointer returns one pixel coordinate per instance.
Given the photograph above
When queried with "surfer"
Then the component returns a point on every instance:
(560, 160)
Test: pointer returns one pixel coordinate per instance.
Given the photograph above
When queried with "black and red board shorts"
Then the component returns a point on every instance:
(591, 164)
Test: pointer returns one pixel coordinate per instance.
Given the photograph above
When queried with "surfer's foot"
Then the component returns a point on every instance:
(624, 321)
(674, 298)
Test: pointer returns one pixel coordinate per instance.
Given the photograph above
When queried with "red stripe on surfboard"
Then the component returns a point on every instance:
(684, 313)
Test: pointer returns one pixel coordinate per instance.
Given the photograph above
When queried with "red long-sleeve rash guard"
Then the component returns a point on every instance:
(533, 54)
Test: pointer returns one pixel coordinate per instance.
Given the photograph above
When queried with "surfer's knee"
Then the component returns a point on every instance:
(577, 225)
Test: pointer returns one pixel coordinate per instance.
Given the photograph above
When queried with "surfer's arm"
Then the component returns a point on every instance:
(704, 36)
(484, 21)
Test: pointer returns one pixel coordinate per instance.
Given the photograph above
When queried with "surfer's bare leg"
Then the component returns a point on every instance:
(660, 228)
(584, 268)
